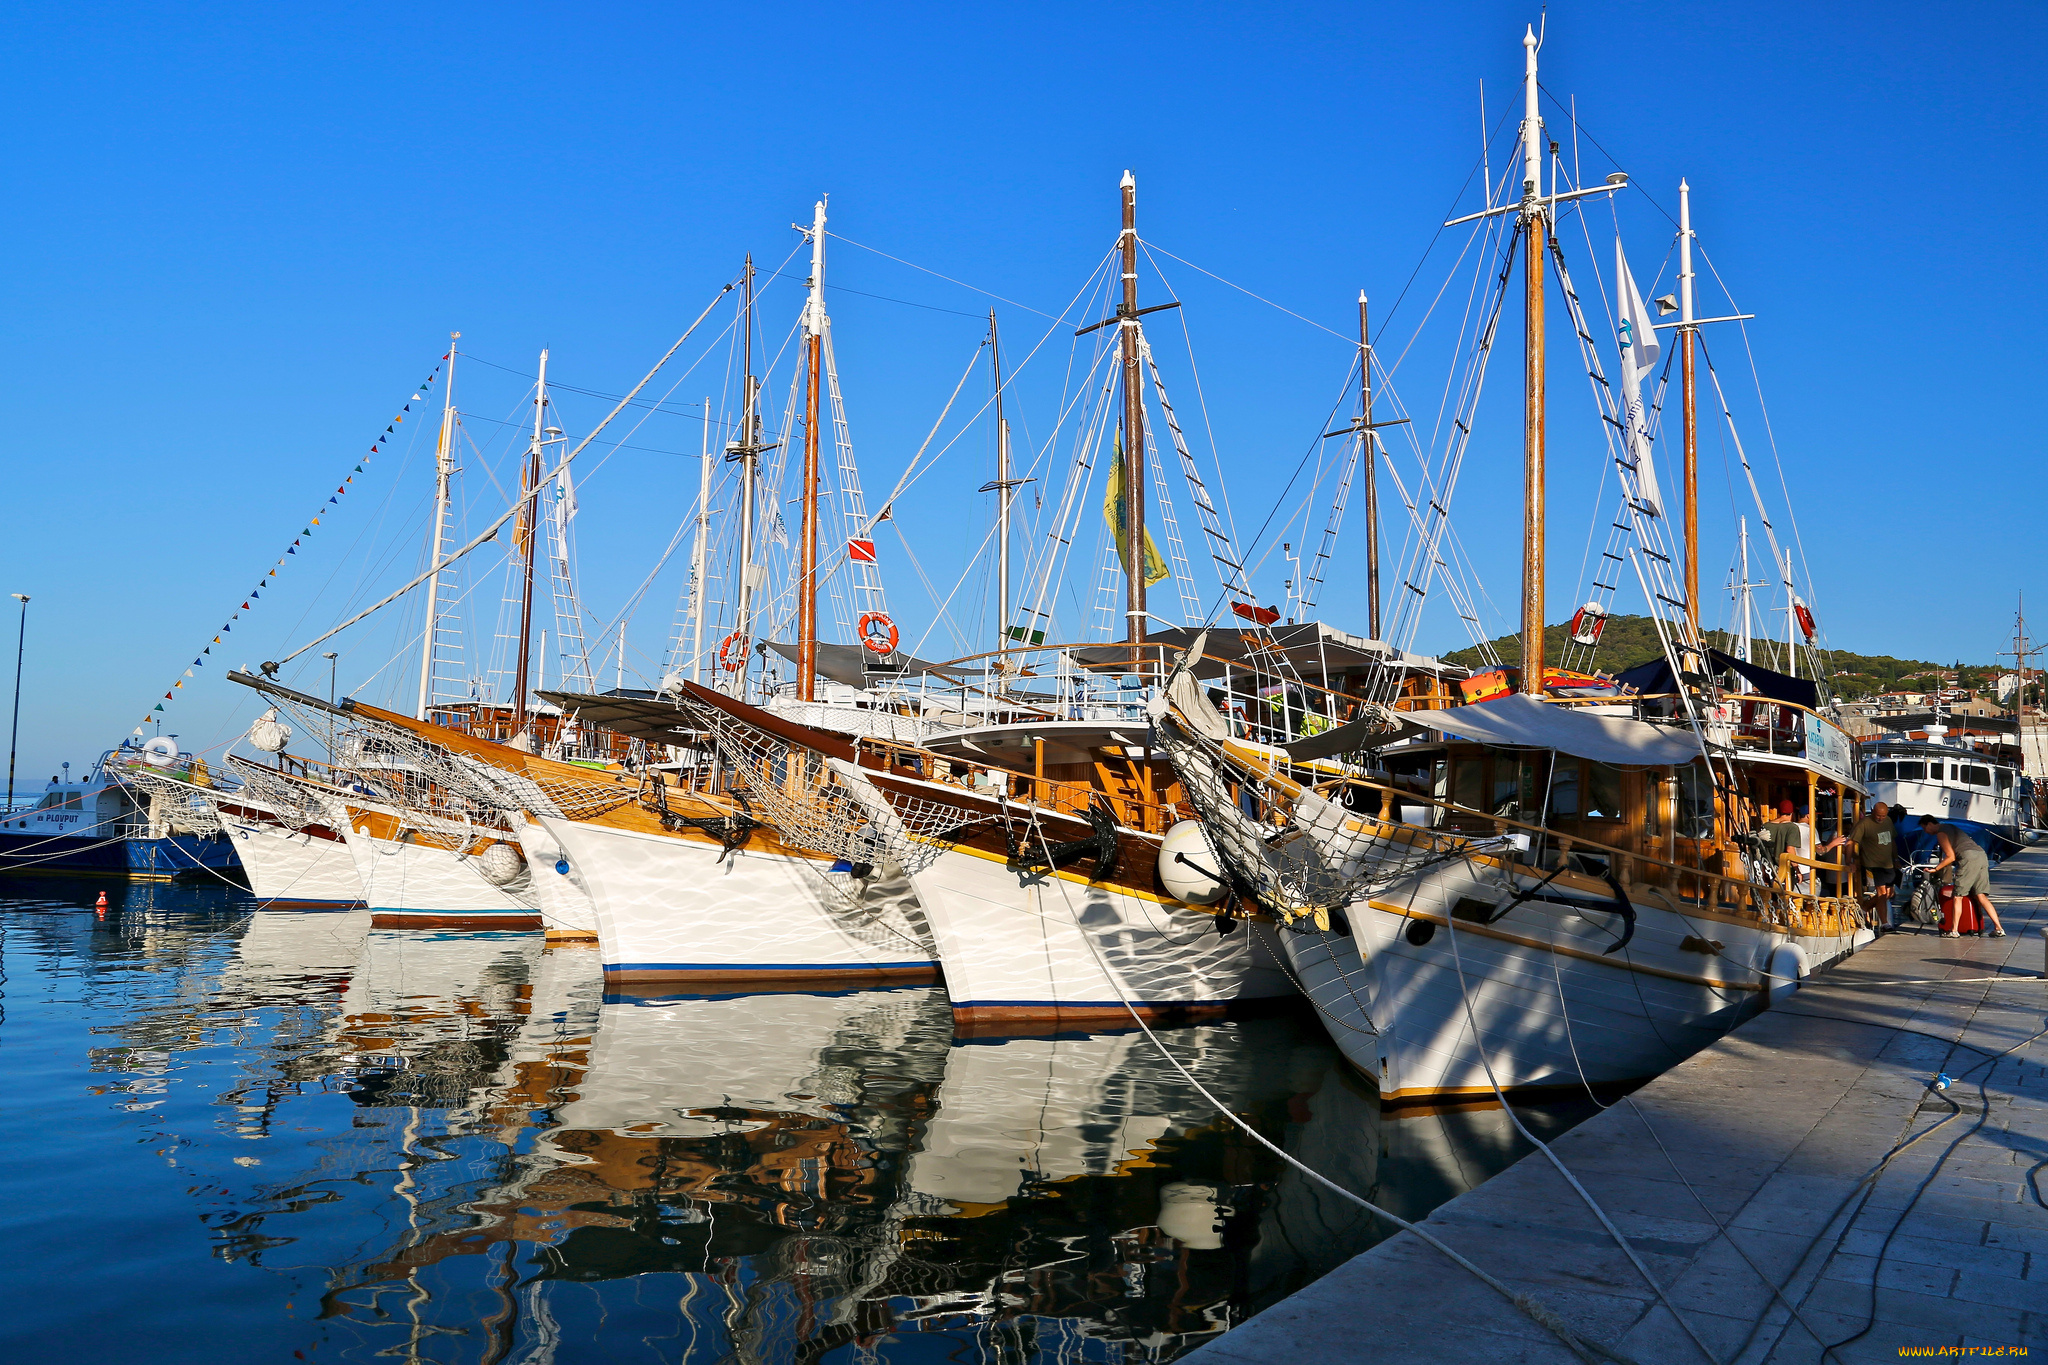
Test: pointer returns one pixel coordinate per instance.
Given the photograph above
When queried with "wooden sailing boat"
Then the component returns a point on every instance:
(1043, 892)
(1540, 892)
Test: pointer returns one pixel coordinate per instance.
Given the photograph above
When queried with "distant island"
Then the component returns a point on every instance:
(1631, 640)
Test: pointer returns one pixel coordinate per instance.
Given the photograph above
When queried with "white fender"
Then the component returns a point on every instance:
(1188, 869)
(501, 864)
(1787, 967)
(269, 733)
(1192, 1215)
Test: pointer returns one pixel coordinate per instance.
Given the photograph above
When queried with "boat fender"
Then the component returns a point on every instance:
(1193, 1214)
(1787, 966)
(269, 733)
(501, 864)
(160, 752)
(1185, 863)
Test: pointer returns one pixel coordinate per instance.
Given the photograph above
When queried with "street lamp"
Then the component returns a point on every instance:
(20, 637)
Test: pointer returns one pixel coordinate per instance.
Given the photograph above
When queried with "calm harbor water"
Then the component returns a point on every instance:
(253, 1135)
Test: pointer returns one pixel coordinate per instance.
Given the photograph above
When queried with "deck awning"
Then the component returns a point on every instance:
(656, 720)
(855, 666)
(1526, 722)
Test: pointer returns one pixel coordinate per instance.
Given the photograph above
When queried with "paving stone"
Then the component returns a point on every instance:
(1775, 1127)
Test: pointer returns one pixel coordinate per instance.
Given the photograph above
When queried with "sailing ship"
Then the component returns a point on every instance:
(1544, 889)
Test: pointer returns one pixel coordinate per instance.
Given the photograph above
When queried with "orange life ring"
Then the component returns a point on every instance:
(726, 659)
(874, 642)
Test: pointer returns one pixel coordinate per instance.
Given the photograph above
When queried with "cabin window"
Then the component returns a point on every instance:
(1468, 783)
(1912, 772)
(1884, 772)
(1695, 802)
(1564, 791)
(58, 801)
(2004, 780)
(1977, 777)
(1603, 792)
(1653, 786)
(1514, 788)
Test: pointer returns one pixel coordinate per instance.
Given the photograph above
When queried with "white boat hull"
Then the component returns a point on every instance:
(669, 908)
(412, 883)
(565, 907)
(306, 869)
(1021, 946)
(1539, 998)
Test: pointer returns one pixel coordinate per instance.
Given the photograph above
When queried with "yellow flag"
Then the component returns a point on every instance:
(1113, 513)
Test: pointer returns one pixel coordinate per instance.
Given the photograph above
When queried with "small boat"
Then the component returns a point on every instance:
(1980, 790)
(101, 826)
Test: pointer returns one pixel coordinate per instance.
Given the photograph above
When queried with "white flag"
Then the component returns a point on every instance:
(1639, 351)
(565, 502)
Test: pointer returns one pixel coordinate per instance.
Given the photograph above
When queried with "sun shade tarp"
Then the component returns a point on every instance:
(1524, 721)
(856, 666)
(1768, 683)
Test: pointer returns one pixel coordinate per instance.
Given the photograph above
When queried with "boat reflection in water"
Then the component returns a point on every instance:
(499, 1162)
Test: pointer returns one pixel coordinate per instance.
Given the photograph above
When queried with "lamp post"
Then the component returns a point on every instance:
(20, 637)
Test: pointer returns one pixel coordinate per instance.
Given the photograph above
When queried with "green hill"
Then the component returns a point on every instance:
(1631, 640)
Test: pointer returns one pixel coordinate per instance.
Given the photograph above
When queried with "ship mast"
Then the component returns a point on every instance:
(1134, 425)
(1689, 406)
(697, 553)
(745, 449)
(525, 531)
(1004, 487)
(1367, 453)
(444, 469)
(1535, 233)
(807, 569)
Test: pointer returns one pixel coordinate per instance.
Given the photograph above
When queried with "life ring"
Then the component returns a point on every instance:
(727, 660)
(870, 625)
(160, 752)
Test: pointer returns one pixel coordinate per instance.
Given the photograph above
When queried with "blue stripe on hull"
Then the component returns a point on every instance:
(767, 968)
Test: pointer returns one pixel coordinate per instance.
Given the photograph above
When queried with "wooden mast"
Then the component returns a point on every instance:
(744, 450)
(1133, 427)
(1367, 456)
(525, 530)
(1535, 234)
(1686, 328)
(807, 570)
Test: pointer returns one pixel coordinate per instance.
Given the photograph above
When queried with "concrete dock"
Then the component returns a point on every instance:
(1743, 1168)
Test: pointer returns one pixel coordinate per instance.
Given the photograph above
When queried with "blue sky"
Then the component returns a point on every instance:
(239, 233)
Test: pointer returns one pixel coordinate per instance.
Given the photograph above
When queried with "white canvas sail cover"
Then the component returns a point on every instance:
(1524, 721)
(1639, 352)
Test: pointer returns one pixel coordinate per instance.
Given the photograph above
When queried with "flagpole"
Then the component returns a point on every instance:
(1535, 230)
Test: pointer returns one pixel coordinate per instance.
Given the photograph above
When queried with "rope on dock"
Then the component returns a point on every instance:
(1585, 1348)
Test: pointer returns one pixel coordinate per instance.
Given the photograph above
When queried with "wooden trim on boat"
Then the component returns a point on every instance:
(1488, 931)
(452, 919)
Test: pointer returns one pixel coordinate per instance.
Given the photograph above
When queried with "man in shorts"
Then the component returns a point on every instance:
(1877, 851)
(1963, 862)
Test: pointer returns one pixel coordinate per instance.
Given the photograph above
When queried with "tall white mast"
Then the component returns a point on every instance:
(1690, 472)
(697, 555)
(814, 410)
(1742, 648)
(1791, 620)
(1535, 228)
(444, 469)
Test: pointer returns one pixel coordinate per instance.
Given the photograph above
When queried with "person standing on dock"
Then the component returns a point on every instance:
(1876, 842)
(1963, 863)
